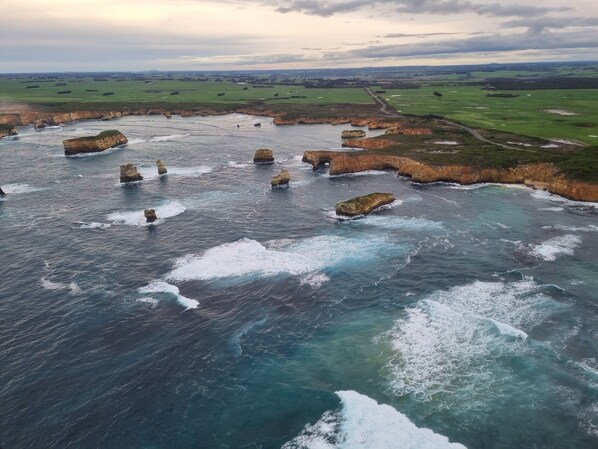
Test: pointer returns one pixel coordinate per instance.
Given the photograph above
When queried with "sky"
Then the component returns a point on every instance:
(137, 35)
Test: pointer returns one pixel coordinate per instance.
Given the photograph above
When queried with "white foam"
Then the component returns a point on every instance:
(15, 189)
(168, 137)
(164, 287)
(551, 197)
(49, 285)
(94, 225)
(448, 342)
(147, 300)
(74, 288)
(188, 172)
(396, 222)
(362, 423)
(588, 228)
(136, 141)
(234, 164)
(552, 209)
(247, 257)
(168, 209)
(551, 248)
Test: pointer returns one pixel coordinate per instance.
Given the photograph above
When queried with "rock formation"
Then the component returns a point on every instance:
(545, 175)
(352, 133)
(281, 180)
(2, 192)
(263, 156)
(370, 144)
(161, 167)
(94, 144)
(150, 215)
(7, 130)
(129, 173)
(363, 205)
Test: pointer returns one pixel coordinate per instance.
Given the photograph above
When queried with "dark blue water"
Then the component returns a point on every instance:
(254, 318)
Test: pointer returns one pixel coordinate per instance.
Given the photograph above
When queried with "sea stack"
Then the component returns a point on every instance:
(352, 133)
(2, 192)
(281, 180)
(94, 144)
(129, 173)
(150, 215)
(161, 167)
(7, 130)
(363, 205)
(263, 156)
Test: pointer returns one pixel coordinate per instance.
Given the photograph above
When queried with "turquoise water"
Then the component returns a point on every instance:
(254, 318)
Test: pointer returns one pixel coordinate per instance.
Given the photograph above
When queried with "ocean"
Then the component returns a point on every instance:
(247, 317)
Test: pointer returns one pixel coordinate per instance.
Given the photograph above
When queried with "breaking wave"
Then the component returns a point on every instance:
(362, 423)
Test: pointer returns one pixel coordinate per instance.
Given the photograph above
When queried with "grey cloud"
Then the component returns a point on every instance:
(540, 24)
(401, 35)
(490, 43)
(330, 7)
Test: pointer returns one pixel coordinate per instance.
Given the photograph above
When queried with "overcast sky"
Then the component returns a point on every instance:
(106, 35)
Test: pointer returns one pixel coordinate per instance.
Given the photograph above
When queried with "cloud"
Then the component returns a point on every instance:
(327, 8)
(485, 43)
(401, 35)
(540, 24)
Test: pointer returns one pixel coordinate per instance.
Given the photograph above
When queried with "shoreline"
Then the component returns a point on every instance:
(541, 176)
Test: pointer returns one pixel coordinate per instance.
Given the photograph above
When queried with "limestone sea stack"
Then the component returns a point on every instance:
(352, 134)
(363, 205)
(263, 156)
(161, 167)
(150, 215)
(129, 173)
(7, 130)
(281, 180)
(94, 144)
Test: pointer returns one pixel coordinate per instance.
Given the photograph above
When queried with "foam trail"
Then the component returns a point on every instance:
(248, 257)
(15, 189)
(163, 287)
(447, 343)
(49, 285)
(169, 137)
(187, 172)
(362, 423)
(551, 248)
(136, 218)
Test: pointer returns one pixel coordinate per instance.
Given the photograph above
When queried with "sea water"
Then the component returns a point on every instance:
(247, 317)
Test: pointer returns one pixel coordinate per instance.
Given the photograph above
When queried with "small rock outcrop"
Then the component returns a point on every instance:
(7, 130)
(352, 134)
(94, 144)
(363, 205)
(129, 173)
(150, 215)
(2, 192)
(281, 180)
(161, 167)
(263, 156)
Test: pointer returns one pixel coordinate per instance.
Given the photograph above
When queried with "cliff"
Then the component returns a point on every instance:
(539, 175)
(94, 144)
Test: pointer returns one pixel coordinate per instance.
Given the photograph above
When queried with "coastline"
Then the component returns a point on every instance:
(541, 176)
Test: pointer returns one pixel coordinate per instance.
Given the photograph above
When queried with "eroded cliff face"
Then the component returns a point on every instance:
(94, 144)
(8, 130)
(543, 175)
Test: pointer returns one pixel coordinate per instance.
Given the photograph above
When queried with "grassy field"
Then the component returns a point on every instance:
(524, 113)
(81, 92)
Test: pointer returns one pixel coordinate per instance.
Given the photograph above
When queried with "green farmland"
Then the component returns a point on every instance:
(520, 111)
(77, 92)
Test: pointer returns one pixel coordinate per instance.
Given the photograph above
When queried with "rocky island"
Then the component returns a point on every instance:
(352, 134)
(263, 156)
(94, 144)
(7, 130)
(363, 205)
